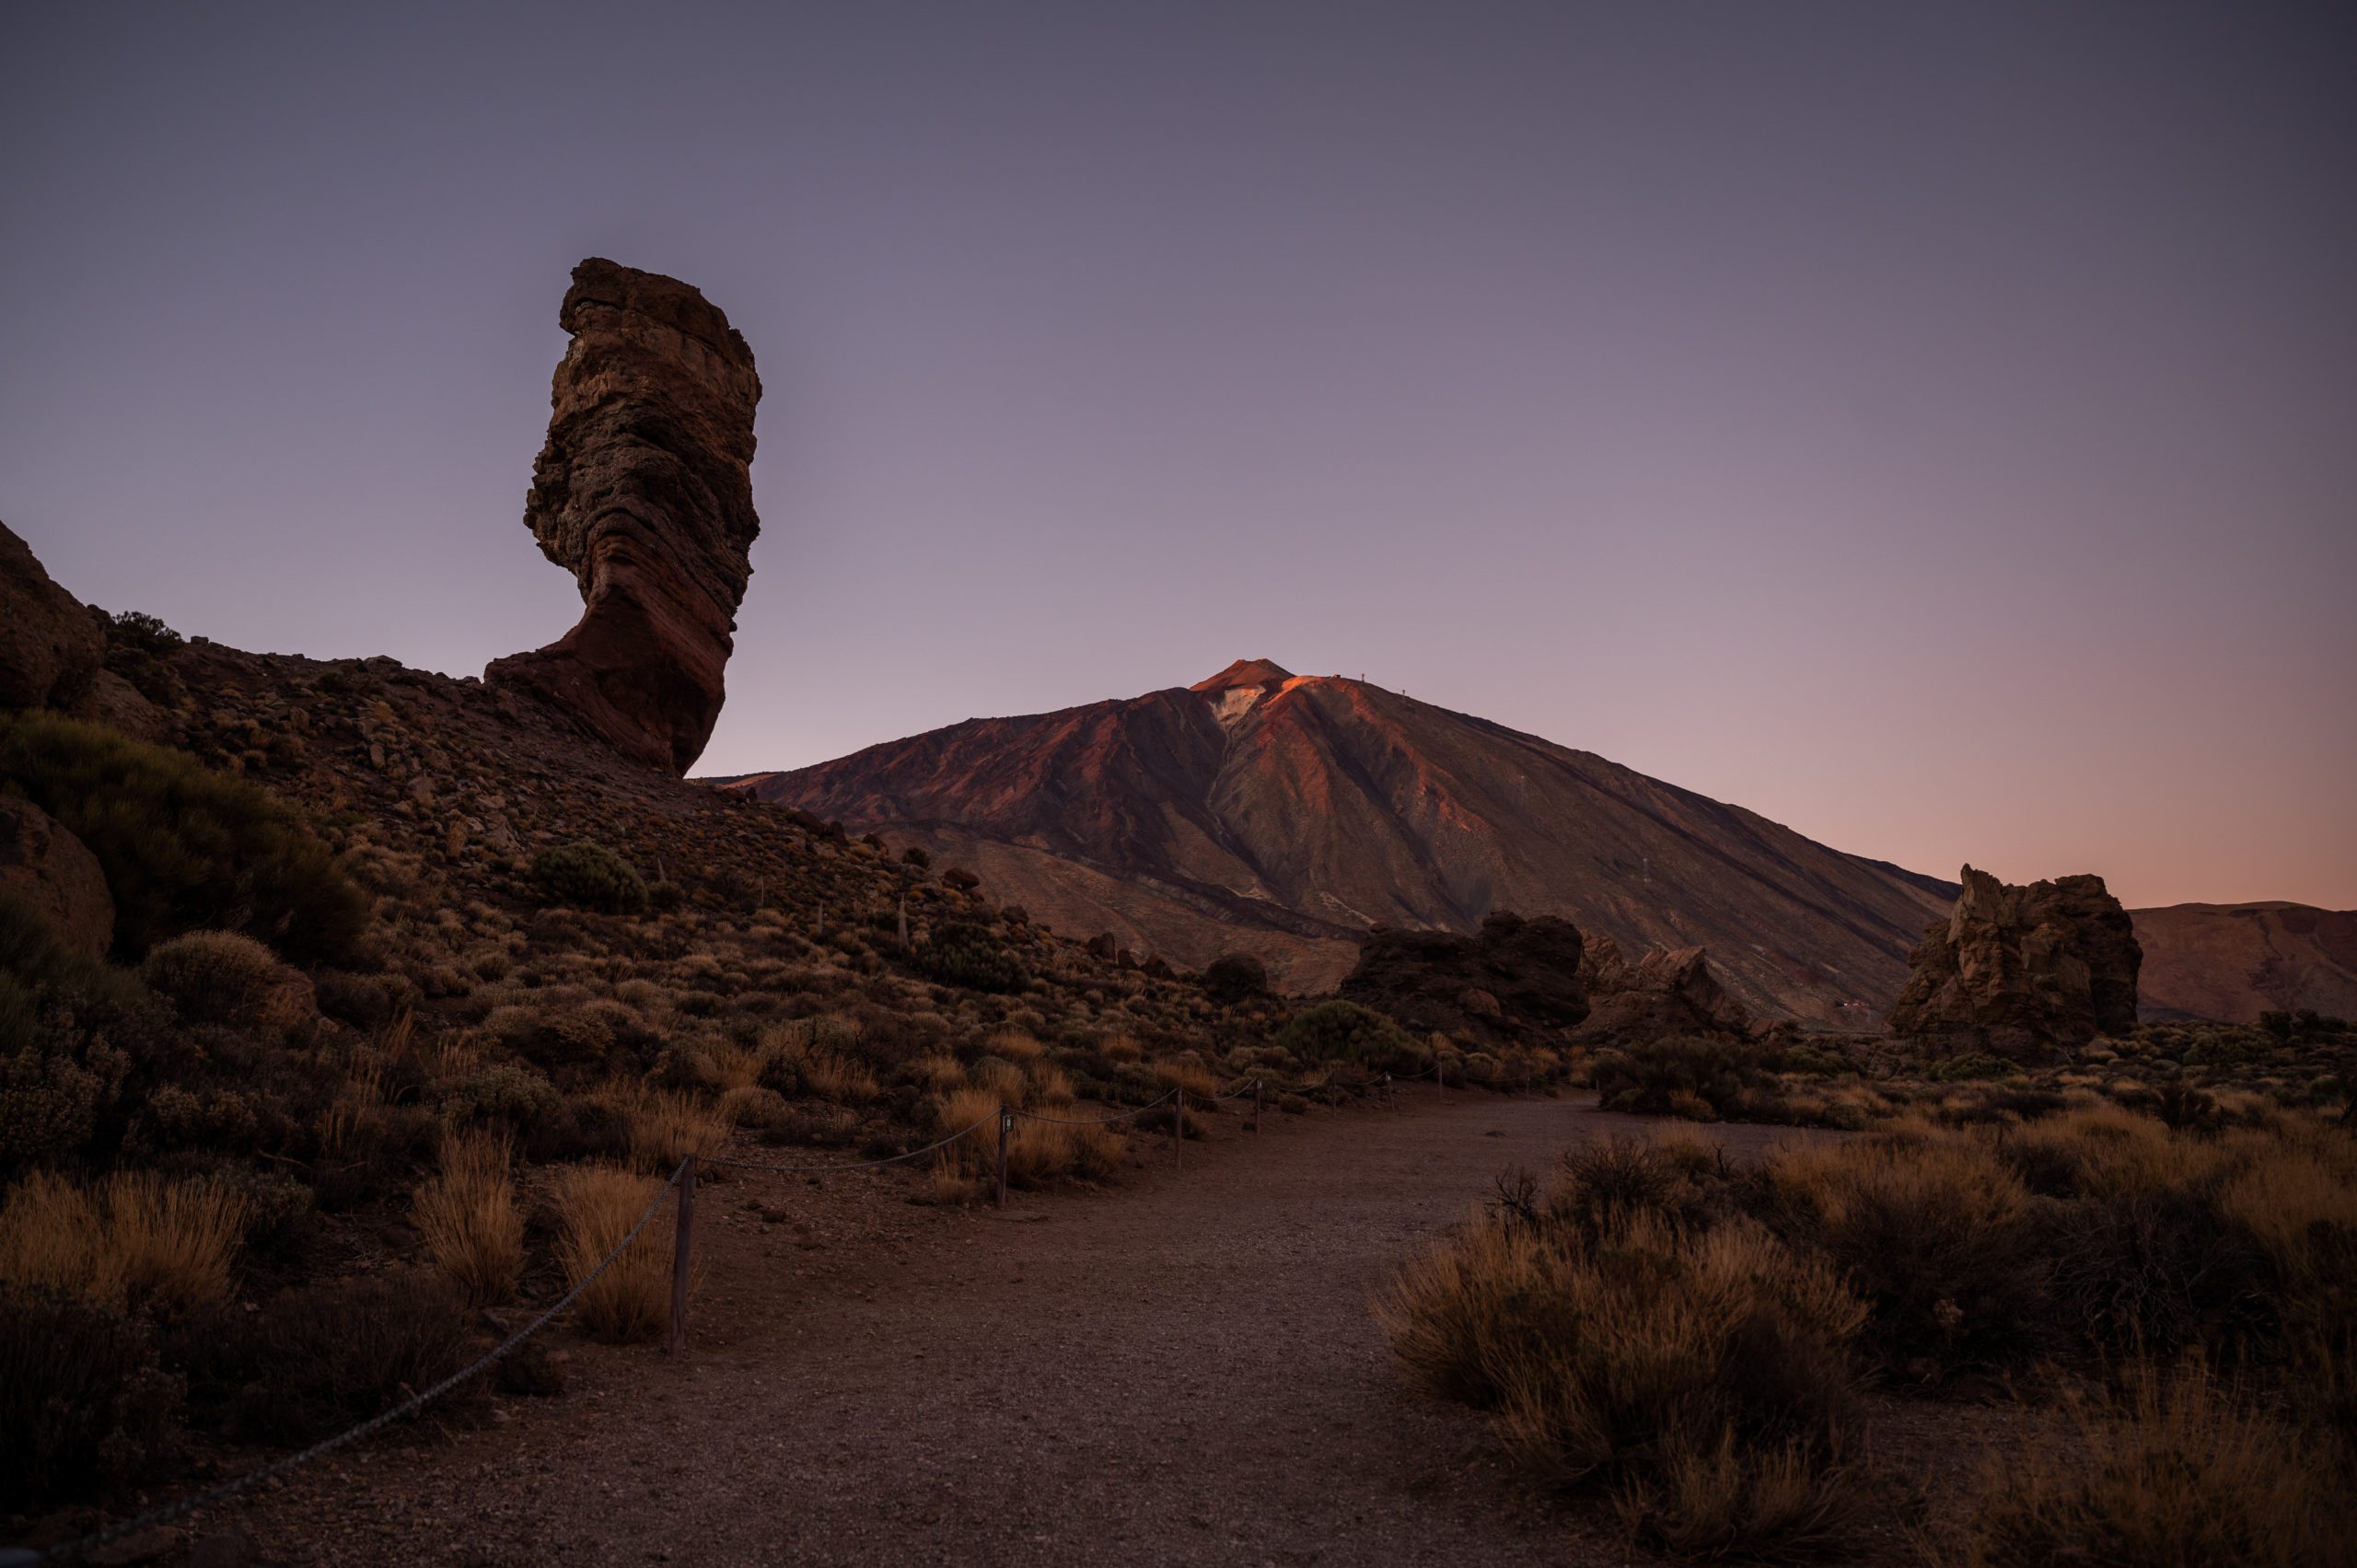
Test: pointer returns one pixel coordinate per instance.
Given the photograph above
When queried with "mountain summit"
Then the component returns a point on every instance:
(1287, 815)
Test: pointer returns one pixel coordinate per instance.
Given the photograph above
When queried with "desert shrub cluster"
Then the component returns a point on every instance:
(184, 847)
(1688, 1337)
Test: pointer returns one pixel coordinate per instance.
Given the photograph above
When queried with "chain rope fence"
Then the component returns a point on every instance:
(682, 1181)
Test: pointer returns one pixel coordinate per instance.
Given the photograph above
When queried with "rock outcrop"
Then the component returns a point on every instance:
(52, 644)
(1514, 977)
(1670, 991)
(644, 493)
(54, 872)
(2020, 971)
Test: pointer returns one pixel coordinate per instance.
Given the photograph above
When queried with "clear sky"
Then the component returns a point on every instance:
(1934, 427)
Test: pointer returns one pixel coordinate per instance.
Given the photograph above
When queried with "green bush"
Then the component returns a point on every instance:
(962, 953)
(1698, 1077)
(1971, 1066)
(1344, 1031)
(86, 1408)
(590, 877)
(183, 848)
(61, 1013)
(218, 977)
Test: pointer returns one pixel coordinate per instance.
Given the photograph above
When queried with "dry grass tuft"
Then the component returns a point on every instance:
(467, 1215)
(1187, 1076)
(137, 1238)
(665, 1128)
(2180, 1470)
(597, 1205)
(1630, 1336)
(1016, 1046)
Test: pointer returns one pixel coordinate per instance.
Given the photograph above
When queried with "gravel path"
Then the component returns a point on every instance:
(1179, 1368)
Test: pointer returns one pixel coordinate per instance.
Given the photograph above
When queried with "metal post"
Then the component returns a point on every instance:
(1256, 1108)
(1440, 1069)
(1005, 1125)
(680, 1244)
(1179, 1128)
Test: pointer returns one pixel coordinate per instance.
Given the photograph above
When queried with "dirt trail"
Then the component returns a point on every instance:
(1180, 1368)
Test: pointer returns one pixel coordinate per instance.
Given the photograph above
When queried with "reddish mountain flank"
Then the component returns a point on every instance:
(2235, 962)
(1287, 814)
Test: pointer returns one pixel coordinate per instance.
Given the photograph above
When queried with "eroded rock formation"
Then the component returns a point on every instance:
(52, 645)
(2018, 972)
(1670, 991)
(1514, 976)
(644, 493)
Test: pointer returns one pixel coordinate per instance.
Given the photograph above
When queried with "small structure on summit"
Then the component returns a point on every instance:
(645, 493)
(2019, 971)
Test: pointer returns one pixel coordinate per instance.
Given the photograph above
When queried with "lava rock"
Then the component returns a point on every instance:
(645, 493)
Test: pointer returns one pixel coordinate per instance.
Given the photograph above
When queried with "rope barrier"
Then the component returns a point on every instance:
(1093, 1120)
(1005, 1117)
(375, 1423)
(847, 1164)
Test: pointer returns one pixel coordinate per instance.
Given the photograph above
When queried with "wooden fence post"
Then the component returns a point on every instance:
(1440, 1070)
(1179, 1128)
(1256, 1108)
(1005, 1125)
(680, 1243)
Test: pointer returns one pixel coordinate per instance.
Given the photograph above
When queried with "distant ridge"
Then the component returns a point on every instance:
(2233, 962)
(1287, 814)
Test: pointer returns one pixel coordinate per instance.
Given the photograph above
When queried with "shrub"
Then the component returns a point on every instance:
(1969, 1066)
(86, 1408)
(2176, 1470)
(1936, 1233)
(588, 877)
(596, 1206)
(968, 954)
(1699, 1077)
(183, 848)
(1699, 1371)
(224, 976)
(1344, 1031)
(467, 1215)
(320, 1358)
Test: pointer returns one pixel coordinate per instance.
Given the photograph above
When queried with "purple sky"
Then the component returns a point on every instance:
(1935, 429)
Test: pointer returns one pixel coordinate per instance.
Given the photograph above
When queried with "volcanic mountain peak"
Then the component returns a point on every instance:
(1244, 672)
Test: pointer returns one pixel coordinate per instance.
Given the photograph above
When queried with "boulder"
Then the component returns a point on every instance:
(2021, 971)
(47, 867)
(1513, 977)
(645, 493)
(1670, 991)
(52, 644)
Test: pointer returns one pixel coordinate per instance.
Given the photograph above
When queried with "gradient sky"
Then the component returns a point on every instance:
(1933, 427)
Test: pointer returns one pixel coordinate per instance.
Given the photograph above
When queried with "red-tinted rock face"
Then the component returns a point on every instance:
(2018, 972)
(645, 493)
(1287, 814)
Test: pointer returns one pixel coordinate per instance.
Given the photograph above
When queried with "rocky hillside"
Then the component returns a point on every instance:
(2232, 962)
(1292, 813)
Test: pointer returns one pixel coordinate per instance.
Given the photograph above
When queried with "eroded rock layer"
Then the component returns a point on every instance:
(644, 492)
(2020, 971)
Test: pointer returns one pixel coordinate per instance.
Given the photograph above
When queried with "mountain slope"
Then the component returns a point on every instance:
(2233, 962)
(1289, 813)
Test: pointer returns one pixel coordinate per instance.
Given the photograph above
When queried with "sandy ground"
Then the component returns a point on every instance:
(1179, 1368)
